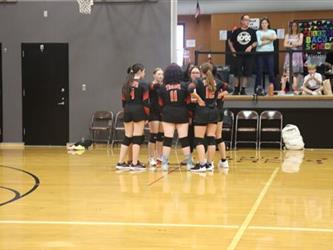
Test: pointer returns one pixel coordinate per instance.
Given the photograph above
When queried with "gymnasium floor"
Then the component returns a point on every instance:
(268, 200)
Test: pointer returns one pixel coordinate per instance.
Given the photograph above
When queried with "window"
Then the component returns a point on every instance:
(180, 43)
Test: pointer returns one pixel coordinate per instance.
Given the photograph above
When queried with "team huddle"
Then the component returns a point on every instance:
(193, 108)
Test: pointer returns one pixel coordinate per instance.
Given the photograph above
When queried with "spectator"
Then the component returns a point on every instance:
(294, 41)
(265, 38)
(244, 40)
(313, 82)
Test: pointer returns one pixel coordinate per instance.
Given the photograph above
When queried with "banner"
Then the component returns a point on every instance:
(318, 34)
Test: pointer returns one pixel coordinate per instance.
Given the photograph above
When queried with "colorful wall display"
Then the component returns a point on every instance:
(318, 34)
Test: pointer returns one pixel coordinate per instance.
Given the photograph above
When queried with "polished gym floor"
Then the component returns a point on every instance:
(267, 200)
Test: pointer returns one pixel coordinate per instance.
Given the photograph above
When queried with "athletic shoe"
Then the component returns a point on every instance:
(209, 166)
(123, 166)
(152, 165)
(79, 148)
(224, 164)
(199, 168)
(242, 92)
(73, 152)
(165, 167)
(138, 167)
(71, 147)
(152, 162)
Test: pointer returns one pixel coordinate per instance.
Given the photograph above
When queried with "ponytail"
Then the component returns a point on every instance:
(131, 71)
(207, 69)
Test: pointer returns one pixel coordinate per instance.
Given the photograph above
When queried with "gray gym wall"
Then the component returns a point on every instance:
(101, 47)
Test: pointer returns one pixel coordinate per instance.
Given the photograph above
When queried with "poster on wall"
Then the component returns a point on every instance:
(254, 23)
(318, 34)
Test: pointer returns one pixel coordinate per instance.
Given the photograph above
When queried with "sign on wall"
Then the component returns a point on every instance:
(318, 34)
(254, 23)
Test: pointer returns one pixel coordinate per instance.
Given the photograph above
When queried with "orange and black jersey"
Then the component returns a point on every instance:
(174, 94)
(154, 89)
(207, 95)
(139, 95)
(221, 87)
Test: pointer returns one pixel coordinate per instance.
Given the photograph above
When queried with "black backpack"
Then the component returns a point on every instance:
(85, 143)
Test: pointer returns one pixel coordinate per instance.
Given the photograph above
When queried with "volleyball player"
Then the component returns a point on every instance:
(223, 90)
(193, 74)
(155, 125)
(174, 98)
(206, 116)
(135, 100)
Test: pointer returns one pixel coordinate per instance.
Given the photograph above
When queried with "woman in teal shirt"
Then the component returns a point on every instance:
(265, 38)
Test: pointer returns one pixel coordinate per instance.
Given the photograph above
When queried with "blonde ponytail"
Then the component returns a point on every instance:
(207, 69)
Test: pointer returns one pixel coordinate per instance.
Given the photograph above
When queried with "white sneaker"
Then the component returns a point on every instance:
(223, 164)
(152, 162)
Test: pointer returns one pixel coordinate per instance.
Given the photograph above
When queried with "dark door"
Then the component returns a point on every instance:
(45, 93)
(1, 130)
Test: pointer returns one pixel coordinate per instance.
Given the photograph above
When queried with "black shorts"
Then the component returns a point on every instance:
(205, 115)
(154, 116)
(221, 115)
(243, 65)
(175, 114)
(134, 113)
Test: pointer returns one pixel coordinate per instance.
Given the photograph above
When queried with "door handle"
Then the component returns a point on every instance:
(61, 103)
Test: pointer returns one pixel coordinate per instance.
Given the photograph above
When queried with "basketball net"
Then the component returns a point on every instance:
(85, 6)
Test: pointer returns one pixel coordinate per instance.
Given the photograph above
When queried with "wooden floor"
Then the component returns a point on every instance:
(268, 200)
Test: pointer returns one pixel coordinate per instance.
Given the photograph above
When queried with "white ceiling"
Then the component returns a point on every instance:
(187, 7)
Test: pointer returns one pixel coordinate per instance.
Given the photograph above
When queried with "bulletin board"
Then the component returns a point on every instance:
(318, 34)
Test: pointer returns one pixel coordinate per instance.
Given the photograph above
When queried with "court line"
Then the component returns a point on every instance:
(139, 224)
(111, 223)
(161, 177)
(35, 186)
(252, 212)
(295, 229)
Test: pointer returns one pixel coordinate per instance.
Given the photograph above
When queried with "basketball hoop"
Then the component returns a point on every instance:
(85, 6)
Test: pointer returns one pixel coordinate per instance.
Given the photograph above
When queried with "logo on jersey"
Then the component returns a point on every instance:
(244, 38)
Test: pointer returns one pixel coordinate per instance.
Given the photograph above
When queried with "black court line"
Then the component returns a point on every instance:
(17, 194)
(161, 177)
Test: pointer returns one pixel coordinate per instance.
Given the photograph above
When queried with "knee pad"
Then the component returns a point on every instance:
(218, 141)
(198, 141)
(210, 140)
(167, 142)
(160, 136)
(184, 142)
(153, 138)
(127, 141)
(138, 140)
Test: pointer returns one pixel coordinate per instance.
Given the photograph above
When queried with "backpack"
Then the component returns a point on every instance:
(84, 143)
(292, 138)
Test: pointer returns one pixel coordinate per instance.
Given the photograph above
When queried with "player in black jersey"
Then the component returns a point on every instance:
(155, 125)
(135, 100)
(193, 73)
(223, 90)
(206, 117)
(174, 98)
